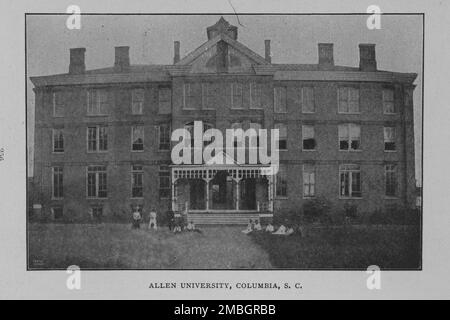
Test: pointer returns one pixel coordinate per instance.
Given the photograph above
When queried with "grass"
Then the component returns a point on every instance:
(116, 246)
(347, 247)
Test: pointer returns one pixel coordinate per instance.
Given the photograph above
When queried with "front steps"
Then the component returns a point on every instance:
(223, 218)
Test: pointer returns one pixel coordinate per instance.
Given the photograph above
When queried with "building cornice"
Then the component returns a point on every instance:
(185, 70)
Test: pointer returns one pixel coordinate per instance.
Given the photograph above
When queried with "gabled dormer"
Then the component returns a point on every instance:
(222, 53)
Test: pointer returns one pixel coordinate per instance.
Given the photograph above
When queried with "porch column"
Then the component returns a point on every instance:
(174, 196)
(207, 180)
(237, 194)
(207, 194)
(270, 179)
(237, 178)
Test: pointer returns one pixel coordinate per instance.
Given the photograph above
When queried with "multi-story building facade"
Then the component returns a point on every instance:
(103, 137)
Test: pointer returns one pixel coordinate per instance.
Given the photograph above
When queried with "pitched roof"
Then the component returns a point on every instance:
(193, 55)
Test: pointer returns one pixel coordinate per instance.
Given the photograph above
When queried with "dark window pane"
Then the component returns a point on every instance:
(355, 144)
(390, 146)
(343, 145)
(309, 144)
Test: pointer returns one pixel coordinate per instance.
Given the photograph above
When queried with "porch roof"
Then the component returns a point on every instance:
(208, 172)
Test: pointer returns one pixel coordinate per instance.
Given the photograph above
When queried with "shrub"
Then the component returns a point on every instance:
(395, 214)
(351, 211)
(287, 217)
(317, 210)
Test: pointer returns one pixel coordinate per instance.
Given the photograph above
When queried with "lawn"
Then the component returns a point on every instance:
(348, 247)
(116, 246)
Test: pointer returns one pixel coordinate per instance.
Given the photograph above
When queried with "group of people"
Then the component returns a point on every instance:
(177, 224)
(255, 226)
(137, 219)
(176, 221)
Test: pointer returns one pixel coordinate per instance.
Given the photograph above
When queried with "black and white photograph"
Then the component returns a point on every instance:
(224, 142)
(224, 157)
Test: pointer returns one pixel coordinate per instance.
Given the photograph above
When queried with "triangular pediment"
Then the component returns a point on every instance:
(221, 158)
(222, 55)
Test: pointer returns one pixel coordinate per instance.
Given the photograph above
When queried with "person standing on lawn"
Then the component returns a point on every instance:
(152, 224)
(136, 218)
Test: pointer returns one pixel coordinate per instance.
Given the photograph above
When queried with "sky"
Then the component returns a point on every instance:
(293, 38)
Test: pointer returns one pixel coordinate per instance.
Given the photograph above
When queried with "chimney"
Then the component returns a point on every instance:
(77, 61)
(176, 52)
(122, 60)
(326, 59)
(268, 54)
(367, 60)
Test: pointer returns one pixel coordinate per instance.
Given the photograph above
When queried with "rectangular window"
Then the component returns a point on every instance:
(256, 92)
(208, 96)
(58, 140)
(137, 138)
(308, 105)
(282, 135)
(164, 136)
(164, 100)
(349, 137)
(97, 102)
(350, 181)
(236, 96)
(280, 99)
(308, 138)
(137, 181)
(58, 189)
(281, 183)
(137, 101)
(389, 139)
(309, 181)
(391, 180)
(58, 104)
(348, 100)
(97, 138)
(164, 182)
(388, 101)
(192, 95)
(96, 182)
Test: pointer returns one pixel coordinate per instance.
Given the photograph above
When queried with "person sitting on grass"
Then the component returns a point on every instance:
(281, 231)
(270, 228)
(136, 218)
(249, 227)
(289, 231)
(257, 226)
(152, 223)
(301, 231)
(190, 226)
(177, 224)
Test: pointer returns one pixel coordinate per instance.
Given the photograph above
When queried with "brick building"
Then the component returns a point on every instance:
(103, 137)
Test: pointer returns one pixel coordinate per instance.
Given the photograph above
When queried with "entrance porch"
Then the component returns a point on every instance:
(223, 189)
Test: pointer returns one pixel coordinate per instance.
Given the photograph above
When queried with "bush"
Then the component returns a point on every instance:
(287, 217)
(395, 214)
(317, 210)
(351, 211)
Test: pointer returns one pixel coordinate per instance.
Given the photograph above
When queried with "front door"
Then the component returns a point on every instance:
(248, 194)
(197, 194)
(222, 188)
